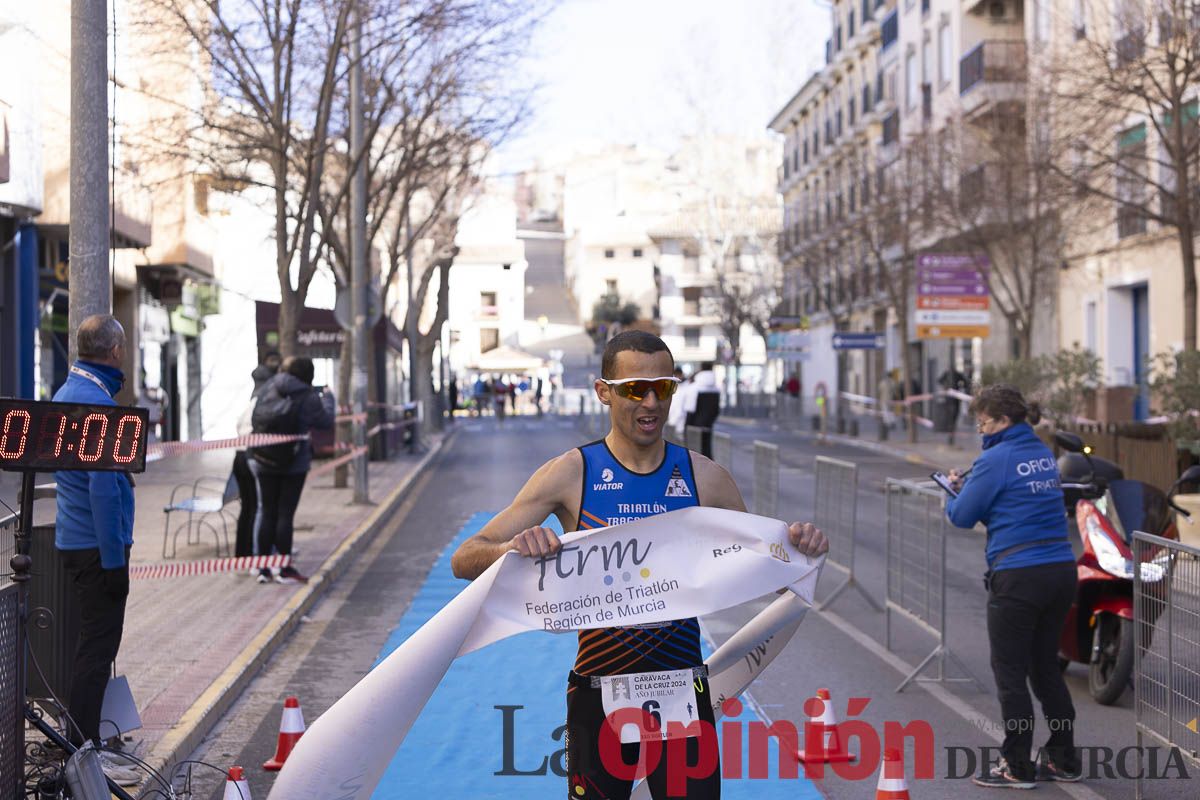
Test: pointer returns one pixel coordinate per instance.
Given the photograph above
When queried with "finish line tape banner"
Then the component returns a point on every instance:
(686, 563)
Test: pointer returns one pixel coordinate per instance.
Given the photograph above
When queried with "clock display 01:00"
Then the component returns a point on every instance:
(56, 436)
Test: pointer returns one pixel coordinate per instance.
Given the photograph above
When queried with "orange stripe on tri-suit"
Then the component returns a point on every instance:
(593, 517)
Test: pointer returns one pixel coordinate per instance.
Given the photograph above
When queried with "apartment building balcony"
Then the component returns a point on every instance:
(696, 319)
(689, 280)
(488, 313)
(992, 73)
(1131, 221)
(1130, 47)
(891, 129)
(889, 32)
(868, 28)
(132, 210)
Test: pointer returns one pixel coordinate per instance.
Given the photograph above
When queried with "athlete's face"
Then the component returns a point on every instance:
(640, 421)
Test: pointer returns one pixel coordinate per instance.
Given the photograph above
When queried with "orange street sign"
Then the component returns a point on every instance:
(953, 331)
(947, 303)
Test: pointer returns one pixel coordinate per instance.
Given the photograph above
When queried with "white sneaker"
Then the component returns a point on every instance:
(119, 771)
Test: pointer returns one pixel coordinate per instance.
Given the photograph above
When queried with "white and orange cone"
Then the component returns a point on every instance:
(831, 749)
(236, 786)
(291, 728)
(892, 785)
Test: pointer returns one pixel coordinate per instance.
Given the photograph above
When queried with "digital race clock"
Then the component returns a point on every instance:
(45, 437)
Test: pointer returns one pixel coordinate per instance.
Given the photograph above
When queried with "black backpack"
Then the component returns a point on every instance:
(276, 413)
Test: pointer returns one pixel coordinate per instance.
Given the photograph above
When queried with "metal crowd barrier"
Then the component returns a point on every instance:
(8, 542)
(722, 448)
(12, 696)
(836, 514)
(1166, 619)
(691, 435)
(766, 479)
(916, 571)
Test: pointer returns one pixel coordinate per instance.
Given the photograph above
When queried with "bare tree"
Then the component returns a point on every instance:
(731, 220)
(888, 229)
(1130, 79)
(748, 285)
(999, 195)
(435, 110)
(274, 114)
(265, 121)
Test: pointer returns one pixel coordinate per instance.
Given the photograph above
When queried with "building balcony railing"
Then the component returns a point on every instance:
(889, 31)
(1130, 47)
(1169, 204)
(891, 128)
(992, 62)
(690, 280)
(488, 312)
(1130, 221)
(992, 73)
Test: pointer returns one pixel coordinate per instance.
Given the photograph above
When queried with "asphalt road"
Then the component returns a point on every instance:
(840, 648)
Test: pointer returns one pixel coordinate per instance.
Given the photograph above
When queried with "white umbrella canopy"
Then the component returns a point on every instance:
(507, 359)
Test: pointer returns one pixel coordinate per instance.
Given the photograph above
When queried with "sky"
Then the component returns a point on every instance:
(649, 71)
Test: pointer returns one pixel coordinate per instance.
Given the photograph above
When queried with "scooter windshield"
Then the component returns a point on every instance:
(1139, 507)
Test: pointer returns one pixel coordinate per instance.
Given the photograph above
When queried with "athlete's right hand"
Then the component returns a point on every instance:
(535, 542)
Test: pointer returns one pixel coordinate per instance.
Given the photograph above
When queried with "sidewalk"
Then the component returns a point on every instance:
(192, 643)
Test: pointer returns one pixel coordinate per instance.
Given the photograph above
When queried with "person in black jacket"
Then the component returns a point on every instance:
(247, 487)
(281, 483)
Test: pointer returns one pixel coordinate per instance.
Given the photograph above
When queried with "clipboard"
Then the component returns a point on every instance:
(943, 481)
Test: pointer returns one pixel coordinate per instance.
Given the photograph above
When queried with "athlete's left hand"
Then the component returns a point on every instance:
(808, 539)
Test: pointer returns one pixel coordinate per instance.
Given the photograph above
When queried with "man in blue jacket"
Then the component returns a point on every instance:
(94, 532)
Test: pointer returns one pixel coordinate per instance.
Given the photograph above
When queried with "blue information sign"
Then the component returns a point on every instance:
(859, 341)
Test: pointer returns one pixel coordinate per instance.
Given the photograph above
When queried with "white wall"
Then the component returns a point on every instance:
(20, 106)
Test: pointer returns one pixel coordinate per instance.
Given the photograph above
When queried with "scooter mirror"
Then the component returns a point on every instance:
(1190, 475)
(1069, 442)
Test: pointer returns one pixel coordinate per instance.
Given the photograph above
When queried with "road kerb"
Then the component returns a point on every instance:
(182, 739)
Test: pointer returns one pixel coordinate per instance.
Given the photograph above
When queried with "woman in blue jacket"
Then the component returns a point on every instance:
(1013, 489)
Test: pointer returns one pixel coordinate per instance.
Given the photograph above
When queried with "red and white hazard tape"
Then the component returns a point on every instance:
(160, 450)
(207, 567)
(330, 466)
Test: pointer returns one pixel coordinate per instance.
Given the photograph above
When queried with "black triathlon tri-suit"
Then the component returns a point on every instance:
(613, 494)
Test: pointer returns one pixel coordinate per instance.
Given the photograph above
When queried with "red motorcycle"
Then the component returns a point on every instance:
(1108, 508)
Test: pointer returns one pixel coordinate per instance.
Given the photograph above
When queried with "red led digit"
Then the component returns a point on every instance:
(136, 437)
(8, 434)
(50, 441)
(86, 432)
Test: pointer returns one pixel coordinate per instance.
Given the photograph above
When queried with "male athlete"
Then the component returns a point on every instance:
(625, 475)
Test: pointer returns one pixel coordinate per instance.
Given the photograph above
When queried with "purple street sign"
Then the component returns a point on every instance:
(951, 274)
(951, 261)
(957, 290)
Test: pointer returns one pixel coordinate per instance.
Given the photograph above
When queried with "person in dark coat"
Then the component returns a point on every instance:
(247, 487)
(280, 485)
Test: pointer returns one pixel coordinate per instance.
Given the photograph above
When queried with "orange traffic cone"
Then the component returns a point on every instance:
(236, 787)
(892, 785)
(291, 728)
(831, 749)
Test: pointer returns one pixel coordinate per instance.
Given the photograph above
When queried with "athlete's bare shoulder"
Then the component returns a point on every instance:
(564, 471)
(716, 486)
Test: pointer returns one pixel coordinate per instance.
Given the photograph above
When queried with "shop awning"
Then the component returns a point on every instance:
(318, 334)
(506, 359)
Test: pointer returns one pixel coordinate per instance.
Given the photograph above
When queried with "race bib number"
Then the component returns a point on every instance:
(661, 697)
